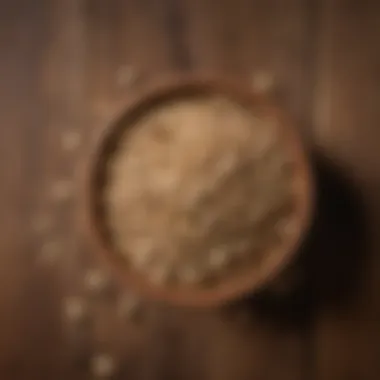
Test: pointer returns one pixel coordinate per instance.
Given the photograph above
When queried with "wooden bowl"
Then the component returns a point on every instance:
(234, 287)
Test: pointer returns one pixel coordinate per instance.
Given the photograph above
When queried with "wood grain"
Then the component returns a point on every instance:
(347, 116)
(29, 318)
(229, 38)
(71, 66)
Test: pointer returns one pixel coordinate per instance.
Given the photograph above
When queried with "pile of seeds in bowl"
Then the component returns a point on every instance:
(197, 189)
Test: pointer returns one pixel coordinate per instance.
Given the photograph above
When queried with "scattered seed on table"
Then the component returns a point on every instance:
(129, 306)
(50, 252)
(262, 81)
(42, 223)
(103, 366)
(70, 140)
(96, 281)
(75, 309)
(61, 190)
(126, 76)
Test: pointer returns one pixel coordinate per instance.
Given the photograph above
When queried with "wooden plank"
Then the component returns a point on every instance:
(72, 65)
(29, 320)
(126, 48)
(63, 94)
(244, 38)
(154, 38)
(241, 39)
(347, 116)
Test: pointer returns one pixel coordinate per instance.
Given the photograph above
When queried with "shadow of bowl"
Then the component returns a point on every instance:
(331, 260)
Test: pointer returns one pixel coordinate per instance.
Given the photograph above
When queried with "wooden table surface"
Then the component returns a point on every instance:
(65, 70)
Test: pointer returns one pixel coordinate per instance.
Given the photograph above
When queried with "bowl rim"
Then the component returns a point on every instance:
(226, 291)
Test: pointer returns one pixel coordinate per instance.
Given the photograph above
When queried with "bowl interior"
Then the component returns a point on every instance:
(248, 279)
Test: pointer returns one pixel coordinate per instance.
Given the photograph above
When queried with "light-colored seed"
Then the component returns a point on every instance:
(42, 223)
(75, 309)
(129, 306)
(160, 274)
(194, 194)
(50, 252)
(218, 258)
(140, 261)
(103, 366)
(226, 163)
(126, 76)
(144, 253)
(61, 190)
(266, 140)
(189, 275)
(223, 167)
(262, 81)
(165, 182)
(70, 140)
(96, 281)
(103, 113)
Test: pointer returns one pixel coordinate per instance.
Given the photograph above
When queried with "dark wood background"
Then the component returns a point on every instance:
(60, 68)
